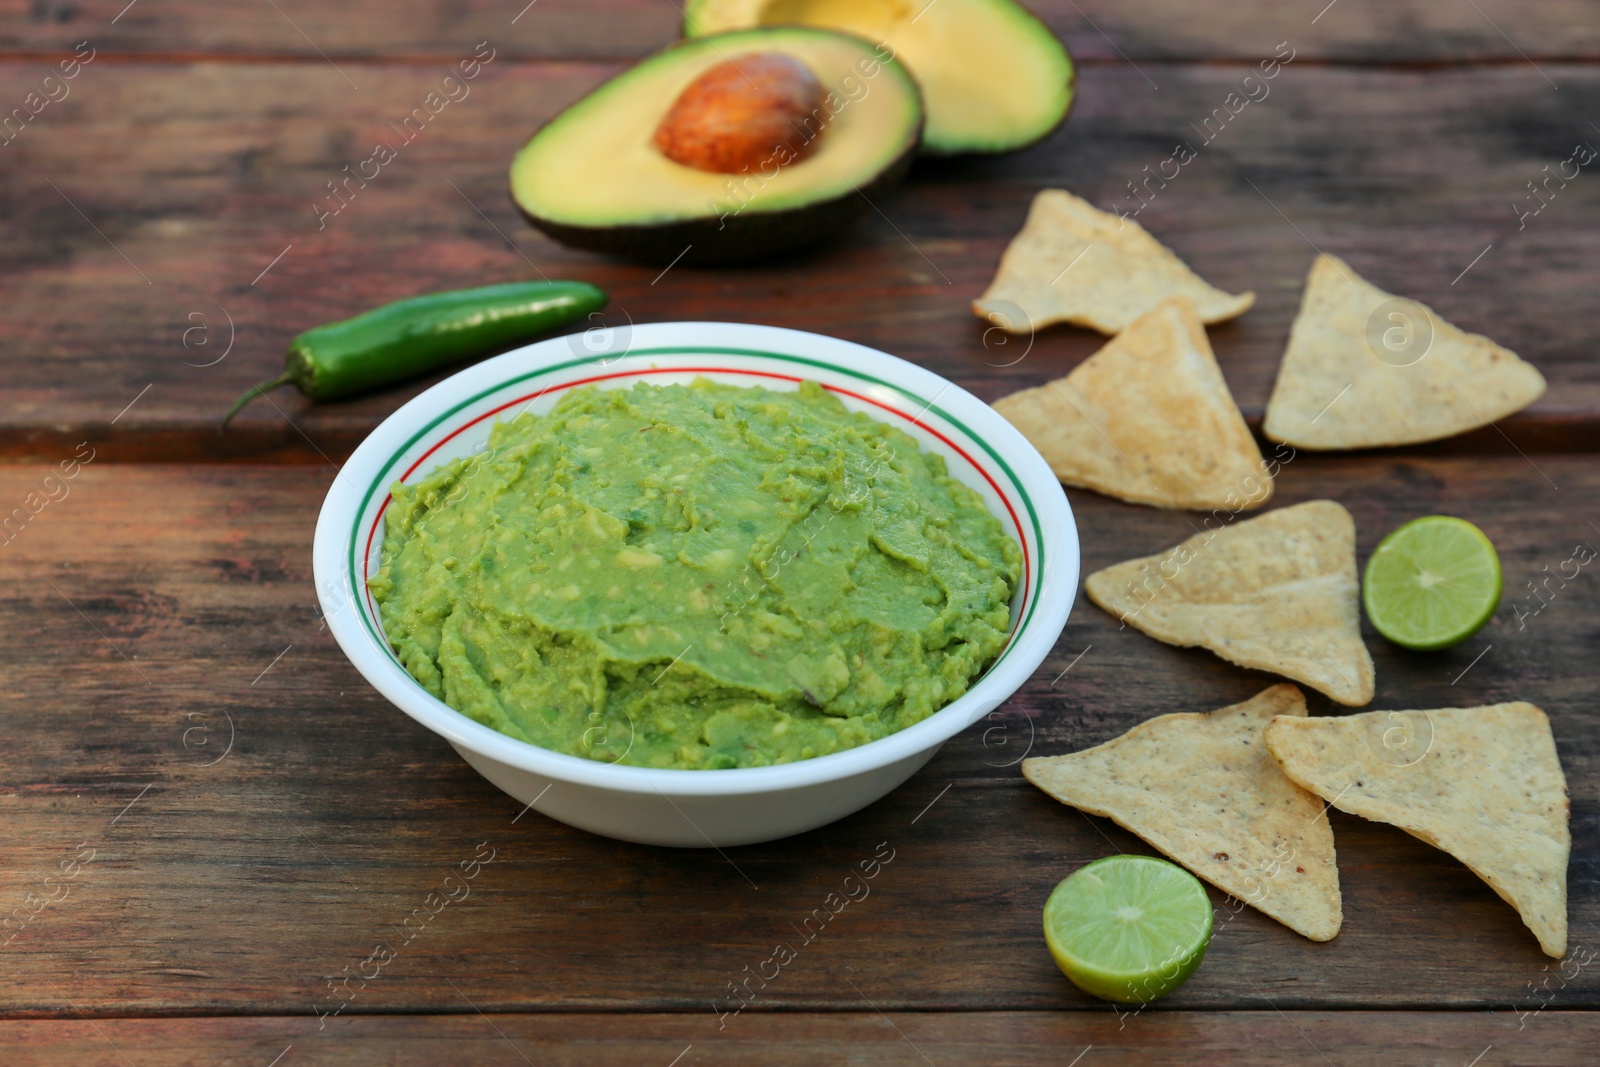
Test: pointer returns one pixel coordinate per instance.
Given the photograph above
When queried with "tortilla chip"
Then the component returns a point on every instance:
(1275, 593)
(1148, 419)
(1202, 789)
(1484, 784)
(1072, 262)
(1365, 369)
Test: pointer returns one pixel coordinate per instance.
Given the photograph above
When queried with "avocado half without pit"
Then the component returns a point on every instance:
(994, 78)
(725, 148)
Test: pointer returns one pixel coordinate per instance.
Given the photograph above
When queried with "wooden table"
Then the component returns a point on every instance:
(231, 819)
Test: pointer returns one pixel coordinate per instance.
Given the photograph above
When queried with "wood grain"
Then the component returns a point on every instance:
(159, 611)
(210, 814)
(118, 250)
(1104, 31)
(802, 1039)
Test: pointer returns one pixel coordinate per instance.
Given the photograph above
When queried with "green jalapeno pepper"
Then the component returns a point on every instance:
(421, 334)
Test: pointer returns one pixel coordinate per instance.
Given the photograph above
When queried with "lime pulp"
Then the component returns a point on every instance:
(1432, 583)
(1128, 928)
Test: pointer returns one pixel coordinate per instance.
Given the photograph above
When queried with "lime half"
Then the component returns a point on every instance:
(1128, 928)
(1432, 583)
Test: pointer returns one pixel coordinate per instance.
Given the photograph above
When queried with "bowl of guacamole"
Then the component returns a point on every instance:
(697, 583)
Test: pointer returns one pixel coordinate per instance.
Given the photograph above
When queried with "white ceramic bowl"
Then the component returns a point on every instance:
(698, 808)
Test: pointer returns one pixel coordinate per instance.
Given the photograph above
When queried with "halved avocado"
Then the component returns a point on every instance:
(994, 78)
(596, 175)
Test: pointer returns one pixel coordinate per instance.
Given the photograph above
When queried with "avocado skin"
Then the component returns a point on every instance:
(740, 238)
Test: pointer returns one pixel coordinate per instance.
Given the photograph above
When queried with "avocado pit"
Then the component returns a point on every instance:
(756, 112)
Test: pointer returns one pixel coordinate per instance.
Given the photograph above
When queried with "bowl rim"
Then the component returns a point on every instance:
(335, 547)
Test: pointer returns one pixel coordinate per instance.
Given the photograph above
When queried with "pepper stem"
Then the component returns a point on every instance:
(254, 391)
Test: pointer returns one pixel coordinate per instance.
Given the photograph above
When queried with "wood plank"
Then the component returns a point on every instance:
(160, 612)
(1003, 1039)
(1411, 176)
(1098, 31)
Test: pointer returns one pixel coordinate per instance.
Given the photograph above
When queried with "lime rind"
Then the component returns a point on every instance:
(1432, 583)
(1128, 928)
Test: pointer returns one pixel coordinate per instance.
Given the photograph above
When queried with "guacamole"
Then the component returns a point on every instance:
(695, 576)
